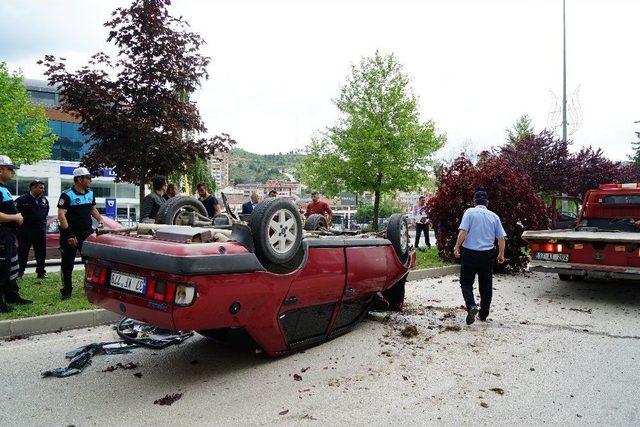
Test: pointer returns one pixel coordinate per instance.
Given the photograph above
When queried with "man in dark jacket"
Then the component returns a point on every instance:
(152, 201)
(34, 208)
(247, 208)
(210, 202)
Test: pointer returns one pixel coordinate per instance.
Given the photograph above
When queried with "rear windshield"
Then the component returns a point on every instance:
(622, 200)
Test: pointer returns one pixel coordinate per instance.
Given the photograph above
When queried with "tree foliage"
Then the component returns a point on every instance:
(511, 197)
(379, 143)
(137, 107)
(521, 129)
(199, 172)
(25, 135)
(364, 213)
(635, 157)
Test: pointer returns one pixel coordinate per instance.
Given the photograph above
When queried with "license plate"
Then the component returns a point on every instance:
(128, 282)
(545, 256)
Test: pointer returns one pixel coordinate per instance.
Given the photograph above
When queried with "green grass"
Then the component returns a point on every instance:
(45, 294)
(429, 259)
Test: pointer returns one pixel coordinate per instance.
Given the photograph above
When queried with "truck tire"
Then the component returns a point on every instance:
(398, 235)
(170, 211)
(315, 222)
(277, 230)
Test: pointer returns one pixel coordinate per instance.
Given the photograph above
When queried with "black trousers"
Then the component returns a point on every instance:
(36, 236)
(480, 263)
(422, 228)
(8, 264)
(68, 255)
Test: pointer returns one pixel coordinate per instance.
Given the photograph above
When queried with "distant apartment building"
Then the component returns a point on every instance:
(218, 165)
(66, 153)
(289, 189)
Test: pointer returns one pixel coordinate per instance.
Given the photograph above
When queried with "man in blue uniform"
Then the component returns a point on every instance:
(247, 208)
(34, 208)
(75, 208)
(478, 231)
(10, 219)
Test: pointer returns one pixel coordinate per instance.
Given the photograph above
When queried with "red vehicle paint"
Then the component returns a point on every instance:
(326, 295)
(604, 243)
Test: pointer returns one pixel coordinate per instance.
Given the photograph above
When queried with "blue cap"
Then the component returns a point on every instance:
(480, 195)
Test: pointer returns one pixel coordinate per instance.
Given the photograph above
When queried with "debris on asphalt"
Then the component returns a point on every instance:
(168, 400)
(16, 338)
(409, 331)
(334, 382)
(285, 412)
(497, 390)
(452, 328)
(138, 375)
(308, 417)
(303, 370)
(297, 377)
(484, 404)
(581, 310)
(134, 335)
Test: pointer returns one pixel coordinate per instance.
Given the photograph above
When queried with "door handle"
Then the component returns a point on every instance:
(291, 300)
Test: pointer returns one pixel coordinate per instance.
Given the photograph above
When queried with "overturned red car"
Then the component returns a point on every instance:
(287, 285)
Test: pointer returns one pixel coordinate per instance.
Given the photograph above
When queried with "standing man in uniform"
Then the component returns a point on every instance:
(318, 206)
(421, 219)
(10, 219)
(478, 231)
(210, 202)
(75, 208)
(34, 208)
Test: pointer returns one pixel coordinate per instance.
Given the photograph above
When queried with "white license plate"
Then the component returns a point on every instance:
(128, 282)
(545, 256)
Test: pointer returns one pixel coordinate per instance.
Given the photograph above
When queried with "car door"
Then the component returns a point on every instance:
(312, 299)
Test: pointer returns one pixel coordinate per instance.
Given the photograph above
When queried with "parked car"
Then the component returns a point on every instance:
(53, 236)
(288, 288)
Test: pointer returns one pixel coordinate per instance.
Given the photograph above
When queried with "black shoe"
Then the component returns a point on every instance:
(18, 300)
(4, 308)
(471, 314)
(42, 275)
(65, 295)
(483, 316)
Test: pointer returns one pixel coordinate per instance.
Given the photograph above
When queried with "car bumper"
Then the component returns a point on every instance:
(586, 270)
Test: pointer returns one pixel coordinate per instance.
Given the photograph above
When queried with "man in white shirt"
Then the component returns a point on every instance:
(421, 220)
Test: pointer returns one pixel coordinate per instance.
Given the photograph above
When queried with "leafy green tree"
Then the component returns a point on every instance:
(379, 143)
(522, 128)
(25, 135)
(199, 172)
(364, 213)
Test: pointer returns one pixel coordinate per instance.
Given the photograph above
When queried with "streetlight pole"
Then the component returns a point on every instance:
(564, 75)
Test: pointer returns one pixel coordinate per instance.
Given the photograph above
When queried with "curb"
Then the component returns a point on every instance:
(56, 322)
(90, 318)
(433, 272)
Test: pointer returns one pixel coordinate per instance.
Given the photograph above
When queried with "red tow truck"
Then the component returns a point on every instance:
(600, 239)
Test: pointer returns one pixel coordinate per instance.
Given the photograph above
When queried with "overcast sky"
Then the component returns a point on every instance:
(476, 65)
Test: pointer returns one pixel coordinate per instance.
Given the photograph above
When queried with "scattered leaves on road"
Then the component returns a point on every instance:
(138, 375)
(409, 331)
(303, 370)
(168, 399)
(484, 404)
(16, 337)
(297, 377)
(285, 412)
(497, 390)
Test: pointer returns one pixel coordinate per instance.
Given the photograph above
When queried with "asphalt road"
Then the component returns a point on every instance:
(552, 352)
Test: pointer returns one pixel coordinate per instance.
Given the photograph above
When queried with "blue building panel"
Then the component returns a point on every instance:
(71, 144)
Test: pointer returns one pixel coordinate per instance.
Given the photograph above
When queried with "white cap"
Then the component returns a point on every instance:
(81, 172)
(6, 162)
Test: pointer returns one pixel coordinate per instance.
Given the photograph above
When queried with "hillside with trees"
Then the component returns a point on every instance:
(245, 167)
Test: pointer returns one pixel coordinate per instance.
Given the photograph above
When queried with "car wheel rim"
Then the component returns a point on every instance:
(182, 216)
(404, 236)
(282, 231)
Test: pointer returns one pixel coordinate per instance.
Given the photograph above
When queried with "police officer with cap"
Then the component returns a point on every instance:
(34, 208)
(475, 246)
(76, 206)
(10, 219)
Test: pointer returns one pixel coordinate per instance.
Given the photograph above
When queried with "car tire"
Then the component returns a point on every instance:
(272, 217)
(565, 277)
(315, 222)
(168, 212)
(398, 235)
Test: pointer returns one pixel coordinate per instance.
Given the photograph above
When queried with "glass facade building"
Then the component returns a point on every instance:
(71, 144)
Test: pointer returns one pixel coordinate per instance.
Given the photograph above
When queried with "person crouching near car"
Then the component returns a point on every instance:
(152, 201)
(10, 219)
(478, 231)
(76, 206)
(34, 208)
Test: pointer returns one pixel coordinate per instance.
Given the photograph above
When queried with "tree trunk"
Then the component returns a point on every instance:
(141, 185)
(376, 202)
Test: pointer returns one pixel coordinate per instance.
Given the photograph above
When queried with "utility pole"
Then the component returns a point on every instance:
(564, 75)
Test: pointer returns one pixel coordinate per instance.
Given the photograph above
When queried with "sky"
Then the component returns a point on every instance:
(475, 65)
